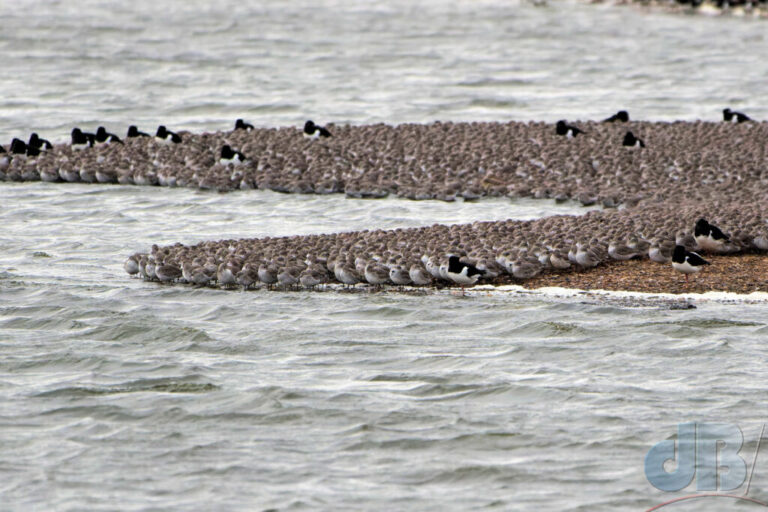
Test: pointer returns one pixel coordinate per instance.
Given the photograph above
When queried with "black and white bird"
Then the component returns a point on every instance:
(621, 116)
(33, 152)
(687, 262)
(562, 128)
(242, 125)
(312, 131)
(81, 139)
(103, 137)
(730, 116)
(36, 142)
(18, 148)
(165, 136)
(709, 238)
(230, 156)
(134, 132)
(631, 141)
(462, 273)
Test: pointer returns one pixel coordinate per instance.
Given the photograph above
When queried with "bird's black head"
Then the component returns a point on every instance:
(76, 132)
(101, 132)
(226, 152)
(623, 116)
(161, 131)
(454, 264)
(18, 147)
(702, 228)
(309, 127)
(679, 255)
(33, 138)
(727, 112)
(133, 131)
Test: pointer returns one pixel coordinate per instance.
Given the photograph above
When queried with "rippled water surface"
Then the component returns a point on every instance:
(116, 394)
(199, 64)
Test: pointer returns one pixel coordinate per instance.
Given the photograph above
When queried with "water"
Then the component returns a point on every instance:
(116, 394)
(201, 64)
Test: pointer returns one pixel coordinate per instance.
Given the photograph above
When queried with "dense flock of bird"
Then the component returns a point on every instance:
(463, 254)
(594, 162)
(670, 179)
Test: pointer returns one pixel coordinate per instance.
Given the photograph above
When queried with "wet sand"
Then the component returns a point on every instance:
(740, 273)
